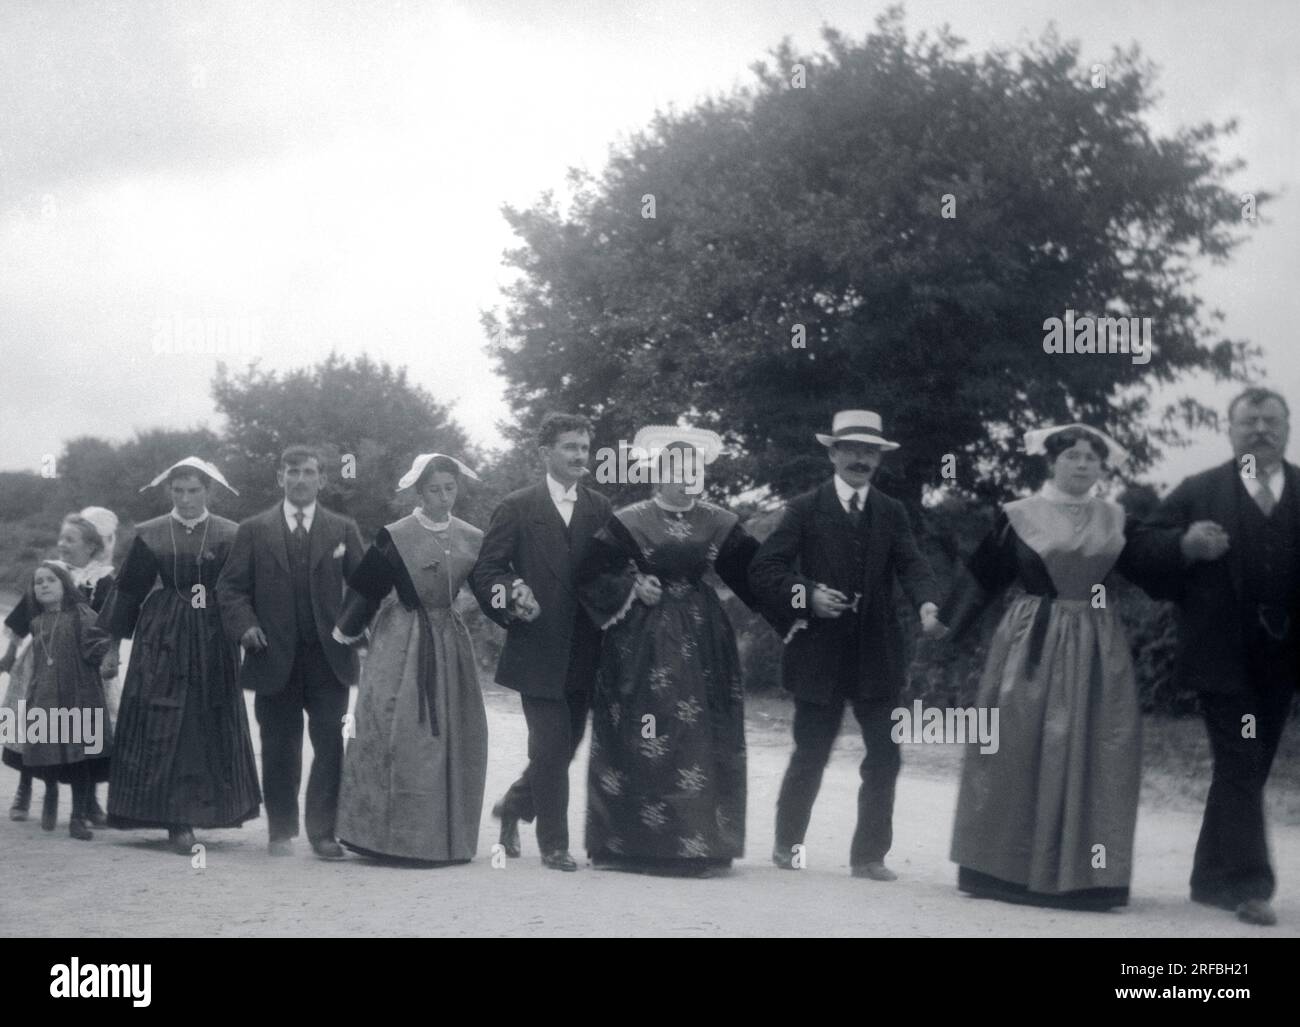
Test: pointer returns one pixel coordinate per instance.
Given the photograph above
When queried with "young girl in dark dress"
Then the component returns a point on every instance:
(85, 545)
(67, 650)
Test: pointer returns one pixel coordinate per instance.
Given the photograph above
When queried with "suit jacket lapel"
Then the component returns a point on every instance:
(837, 530)
(583, 527)
(1291, 474)
(274, 519)
(550, 525)
(1226, 514)
(320, 539)
(873, 519)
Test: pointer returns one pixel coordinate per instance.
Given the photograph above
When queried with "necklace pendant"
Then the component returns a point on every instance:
(49, 661)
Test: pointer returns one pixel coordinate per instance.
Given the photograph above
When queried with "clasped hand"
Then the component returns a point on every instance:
(523, 604)
(1204, 540)
(648, 589)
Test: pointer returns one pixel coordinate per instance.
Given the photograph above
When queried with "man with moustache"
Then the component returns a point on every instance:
(836, 554)
(525, 581)
(1226, 544)
(280, 594)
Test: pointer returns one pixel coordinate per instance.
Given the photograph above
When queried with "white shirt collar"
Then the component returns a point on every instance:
(559, 494)
(1276, 481)
(846, 491)
(308, 514)
(188, 524)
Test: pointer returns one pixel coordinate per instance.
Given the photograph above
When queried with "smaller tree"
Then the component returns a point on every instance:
(367, 418)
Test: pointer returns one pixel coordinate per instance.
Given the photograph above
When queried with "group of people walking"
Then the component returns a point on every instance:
(615, 614)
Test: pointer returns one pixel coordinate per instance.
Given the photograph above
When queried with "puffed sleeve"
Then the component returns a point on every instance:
(1152, 558)
(100, 591)
(379, 572)
(121, 608)
(732, 564)
(988, 571)
(607, 574)
(1150, 562)
(19, 620)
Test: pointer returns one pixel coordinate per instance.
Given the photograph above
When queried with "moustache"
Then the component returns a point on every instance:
(860, 467)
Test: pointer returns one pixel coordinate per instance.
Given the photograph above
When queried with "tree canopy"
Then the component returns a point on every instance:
(368, 419)
(811, 207)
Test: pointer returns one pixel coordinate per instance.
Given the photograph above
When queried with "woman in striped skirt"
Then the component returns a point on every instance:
(184, 758)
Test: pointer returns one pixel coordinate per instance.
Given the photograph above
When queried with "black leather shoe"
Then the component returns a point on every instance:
(1258, 912)
(328, 848)
(874, 871)
(22, 803)
(78, 829)
(182, 840)
(50, 808)
(559, 860)
(95, 814)
(783, 858)
(509, 831)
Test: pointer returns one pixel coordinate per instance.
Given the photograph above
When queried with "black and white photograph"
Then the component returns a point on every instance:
(651, 469)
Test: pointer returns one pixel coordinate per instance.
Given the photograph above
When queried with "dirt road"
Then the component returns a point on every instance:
(128, 883)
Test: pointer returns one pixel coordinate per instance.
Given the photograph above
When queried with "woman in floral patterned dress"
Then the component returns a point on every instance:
(666, 780)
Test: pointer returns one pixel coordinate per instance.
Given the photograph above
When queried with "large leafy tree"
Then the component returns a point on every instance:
(814, 202)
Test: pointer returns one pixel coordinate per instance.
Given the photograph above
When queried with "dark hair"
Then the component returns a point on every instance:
(89, 533)
(189, 472)
(1058, 442)
(439, 463)
(1257, 396)
(72, 597)
(555, 425)
(299, 453)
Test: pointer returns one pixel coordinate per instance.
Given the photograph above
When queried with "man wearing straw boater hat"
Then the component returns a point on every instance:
(825, 577)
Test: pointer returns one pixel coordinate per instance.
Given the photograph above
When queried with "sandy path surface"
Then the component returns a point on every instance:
(127, 883)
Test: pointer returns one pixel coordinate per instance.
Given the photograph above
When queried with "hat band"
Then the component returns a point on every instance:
(858, 429)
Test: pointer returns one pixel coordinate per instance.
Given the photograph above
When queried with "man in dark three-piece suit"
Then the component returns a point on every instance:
(1226, 542)
(825, 577)
(280, 593)
(525, 581)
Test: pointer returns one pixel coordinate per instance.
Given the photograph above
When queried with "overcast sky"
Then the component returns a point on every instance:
(331, 173)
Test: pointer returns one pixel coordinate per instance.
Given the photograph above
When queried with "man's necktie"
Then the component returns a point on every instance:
(1265, 498)
(855, 510)
(299, 532)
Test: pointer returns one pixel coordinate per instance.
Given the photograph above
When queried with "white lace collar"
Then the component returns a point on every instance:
(432, 525)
